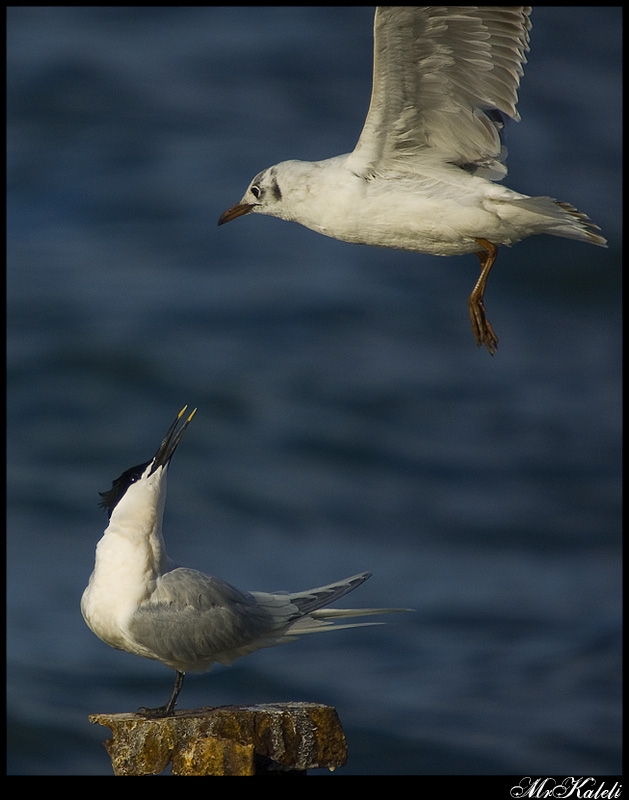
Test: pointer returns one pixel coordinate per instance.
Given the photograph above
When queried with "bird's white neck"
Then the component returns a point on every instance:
(129, 559)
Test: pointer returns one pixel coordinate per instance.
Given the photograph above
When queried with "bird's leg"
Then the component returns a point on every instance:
(169, 709)
(483, 332)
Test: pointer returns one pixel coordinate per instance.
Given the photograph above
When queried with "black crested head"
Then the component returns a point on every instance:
(112, 497)
(161, 459)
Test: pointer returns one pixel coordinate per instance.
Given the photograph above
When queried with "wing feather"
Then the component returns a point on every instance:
(444, 78)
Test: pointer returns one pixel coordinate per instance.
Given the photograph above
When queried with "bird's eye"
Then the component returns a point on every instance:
(255, 191)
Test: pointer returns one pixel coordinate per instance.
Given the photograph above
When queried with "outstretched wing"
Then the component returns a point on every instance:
(444, 78)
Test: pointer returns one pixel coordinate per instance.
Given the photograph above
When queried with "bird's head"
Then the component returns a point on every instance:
(137, 497)
(263, 196)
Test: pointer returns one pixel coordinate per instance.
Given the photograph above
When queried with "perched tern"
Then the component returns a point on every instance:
(421, 177)
(140, 601)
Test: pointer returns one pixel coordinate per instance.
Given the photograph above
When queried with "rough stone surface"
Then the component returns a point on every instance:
(230, 740)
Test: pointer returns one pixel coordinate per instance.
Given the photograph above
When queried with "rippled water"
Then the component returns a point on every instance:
(346, 419)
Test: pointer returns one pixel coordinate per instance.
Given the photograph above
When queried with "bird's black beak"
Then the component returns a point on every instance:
(171, 441)
(235, 211)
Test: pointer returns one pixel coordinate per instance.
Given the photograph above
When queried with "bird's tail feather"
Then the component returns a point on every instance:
(344, 613)
(303, 612)
(324, 619)
(562, 219)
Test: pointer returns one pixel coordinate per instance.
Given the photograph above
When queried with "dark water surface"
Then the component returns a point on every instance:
(346, 419)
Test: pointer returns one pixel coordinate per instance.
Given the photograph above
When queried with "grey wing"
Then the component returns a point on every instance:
(286, 607)
(193, 619)
(440, 75)
(307, 612)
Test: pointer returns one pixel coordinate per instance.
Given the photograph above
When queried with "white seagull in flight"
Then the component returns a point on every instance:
(421, 177)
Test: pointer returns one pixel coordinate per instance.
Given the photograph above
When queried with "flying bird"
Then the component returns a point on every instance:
(140, 601)
(422, 175)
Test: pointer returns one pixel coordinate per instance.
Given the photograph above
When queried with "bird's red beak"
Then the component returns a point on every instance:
(235, 211)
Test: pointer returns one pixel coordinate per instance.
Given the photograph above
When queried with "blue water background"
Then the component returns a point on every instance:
(346, 419)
